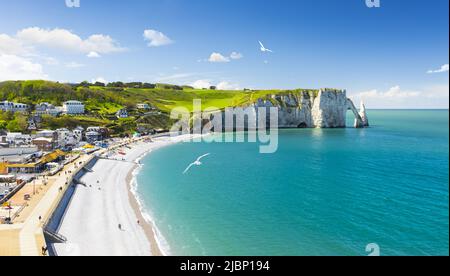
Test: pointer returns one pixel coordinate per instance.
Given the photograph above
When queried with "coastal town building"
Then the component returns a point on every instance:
(122, 114)
(45, 144)
(47, 134)
(67, 138)
(93, 136)
(73, 108)
(18, 154)
(17, 139)
(143, 106)
(48, 109)
(7, 106)
(35, 166)
(32, 124)
(78, 134)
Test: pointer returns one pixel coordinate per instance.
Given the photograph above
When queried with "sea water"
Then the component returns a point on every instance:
(324, 192)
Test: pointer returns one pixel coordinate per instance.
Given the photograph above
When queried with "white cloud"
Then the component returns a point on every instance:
(394, 92)
(156, 38)
(50, 60)
(74, 65)
(218, 58)
(93, 54)
(236, 55)
(224, 85)
(99, 79)
(429, 97)
(11, 46)
(175, 77)
(66, 40)
(444, 68)
(200, 84)
(14, 67)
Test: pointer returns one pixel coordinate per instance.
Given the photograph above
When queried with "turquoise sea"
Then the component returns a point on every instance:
(325, 192)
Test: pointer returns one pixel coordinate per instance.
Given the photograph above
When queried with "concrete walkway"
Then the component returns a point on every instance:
(27, 239)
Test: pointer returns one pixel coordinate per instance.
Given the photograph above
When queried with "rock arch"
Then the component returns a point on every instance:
(359, 123)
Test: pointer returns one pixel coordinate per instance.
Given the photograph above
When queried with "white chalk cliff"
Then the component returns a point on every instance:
(326, 108)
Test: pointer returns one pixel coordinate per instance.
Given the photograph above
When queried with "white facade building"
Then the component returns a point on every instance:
(73, 108)
(78, 134)
(122, 114)
(13, 107)
(143, 106)
(18, 139)
(67, 138)
(48, 109)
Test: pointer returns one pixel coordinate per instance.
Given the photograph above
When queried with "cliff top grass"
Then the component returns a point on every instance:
(103, 101)
(108, 100)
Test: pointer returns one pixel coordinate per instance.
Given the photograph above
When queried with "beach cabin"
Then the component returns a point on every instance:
(36, 167)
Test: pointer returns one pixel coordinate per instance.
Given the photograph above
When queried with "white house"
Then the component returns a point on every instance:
(47, 134)
(63, 137)
(67, 137)
(93, 136)
(78, 134)
(143, 106)
(73, 107)
(13, 107)
(48, 109)
(122, 114)
(18, 139)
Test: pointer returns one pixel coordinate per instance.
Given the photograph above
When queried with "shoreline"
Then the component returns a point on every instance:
(149, 228)
(147, 222)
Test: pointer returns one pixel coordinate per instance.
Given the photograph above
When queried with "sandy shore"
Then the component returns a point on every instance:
(91, 223)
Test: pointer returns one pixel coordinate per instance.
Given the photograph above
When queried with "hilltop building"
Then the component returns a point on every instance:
(73, 108)
(122, 114)
(13, 107)
(48, 109)
(143, 106)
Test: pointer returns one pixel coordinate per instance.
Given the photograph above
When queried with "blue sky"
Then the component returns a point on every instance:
(381, 55)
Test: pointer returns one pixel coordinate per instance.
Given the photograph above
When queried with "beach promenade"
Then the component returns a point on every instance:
(103, 218)
(25, 237)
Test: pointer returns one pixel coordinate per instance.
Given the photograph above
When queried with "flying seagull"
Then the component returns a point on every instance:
(196, 163)
(264, 49)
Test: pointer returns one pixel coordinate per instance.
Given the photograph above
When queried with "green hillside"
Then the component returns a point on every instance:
(102, 102)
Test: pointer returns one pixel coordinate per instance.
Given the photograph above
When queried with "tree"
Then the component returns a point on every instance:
(3, 125)
(18, 124)
(100, 84)
(213, 88)
(117, 84)
(149, 86)
(85, 84)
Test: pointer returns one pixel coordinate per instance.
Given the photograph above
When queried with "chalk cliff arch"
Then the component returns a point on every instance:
(359, 123)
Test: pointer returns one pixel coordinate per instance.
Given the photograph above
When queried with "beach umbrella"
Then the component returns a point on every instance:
(7, 205)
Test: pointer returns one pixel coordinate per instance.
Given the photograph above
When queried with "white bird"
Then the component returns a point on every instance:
(264, 49)
(196, 163)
